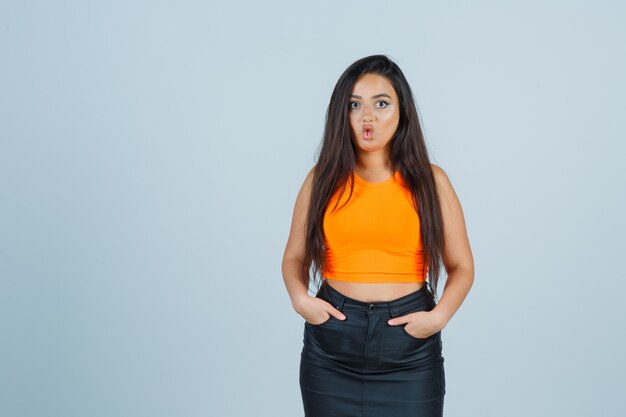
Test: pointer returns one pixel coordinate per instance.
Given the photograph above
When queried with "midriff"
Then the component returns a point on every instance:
(373, 292)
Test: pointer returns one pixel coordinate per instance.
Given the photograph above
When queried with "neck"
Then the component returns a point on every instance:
(373, 164)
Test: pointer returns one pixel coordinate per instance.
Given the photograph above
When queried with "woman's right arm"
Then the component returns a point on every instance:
(305, 305)
(294, 251)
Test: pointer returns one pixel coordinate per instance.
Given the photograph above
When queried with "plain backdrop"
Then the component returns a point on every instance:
(151, 154)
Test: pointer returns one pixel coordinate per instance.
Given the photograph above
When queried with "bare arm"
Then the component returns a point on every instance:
(311, 308)
(457, 258)
(294, 250)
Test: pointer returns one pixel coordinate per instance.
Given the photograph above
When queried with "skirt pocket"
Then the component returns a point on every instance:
(322, 324)
(416, 342)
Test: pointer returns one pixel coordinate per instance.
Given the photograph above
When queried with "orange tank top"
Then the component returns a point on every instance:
(375, 238)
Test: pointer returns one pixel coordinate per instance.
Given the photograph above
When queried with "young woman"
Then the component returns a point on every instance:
(376, 220)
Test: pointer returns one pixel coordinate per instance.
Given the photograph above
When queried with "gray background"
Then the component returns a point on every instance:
(151, 153)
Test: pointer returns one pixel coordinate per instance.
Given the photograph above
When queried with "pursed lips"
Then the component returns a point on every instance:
(367, 131)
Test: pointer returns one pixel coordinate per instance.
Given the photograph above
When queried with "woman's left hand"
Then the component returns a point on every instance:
(420, 324)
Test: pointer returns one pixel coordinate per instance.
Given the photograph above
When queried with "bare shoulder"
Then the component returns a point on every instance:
(457, 253)
(302, 201)
(306, 188)
(444, 186)
(308, 180)
(297, 234)
(438, 172)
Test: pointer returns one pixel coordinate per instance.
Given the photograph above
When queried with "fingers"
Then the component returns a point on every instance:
(335, 312)
(399, 320)
(328, 308)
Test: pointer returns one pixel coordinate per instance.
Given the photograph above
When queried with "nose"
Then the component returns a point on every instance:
(367, 114)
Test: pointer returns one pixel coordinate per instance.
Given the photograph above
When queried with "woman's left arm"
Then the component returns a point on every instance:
(457, 257)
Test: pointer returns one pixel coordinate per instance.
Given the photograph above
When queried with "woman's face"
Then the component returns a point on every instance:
(374, 112)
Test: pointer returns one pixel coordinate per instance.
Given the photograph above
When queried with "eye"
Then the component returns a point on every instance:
(353, 105)
(384, 104)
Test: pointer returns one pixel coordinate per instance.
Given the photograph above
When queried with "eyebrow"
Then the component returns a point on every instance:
(376, 96)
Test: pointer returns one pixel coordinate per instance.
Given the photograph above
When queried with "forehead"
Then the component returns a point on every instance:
(370, 84)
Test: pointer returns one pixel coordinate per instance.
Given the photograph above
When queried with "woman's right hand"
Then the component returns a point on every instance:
(315, 310)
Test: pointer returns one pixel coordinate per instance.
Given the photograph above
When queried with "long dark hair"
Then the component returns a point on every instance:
(337, 159)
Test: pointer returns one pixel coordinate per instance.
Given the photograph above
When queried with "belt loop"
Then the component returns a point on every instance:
(340, 303)
(392, 312)
(337, 298)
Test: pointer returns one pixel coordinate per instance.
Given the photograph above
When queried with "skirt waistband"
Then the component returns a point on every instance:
(340, 301)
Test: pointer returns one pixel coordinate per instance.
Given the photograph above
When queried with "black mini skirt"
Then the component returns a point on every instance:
(364, 367)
